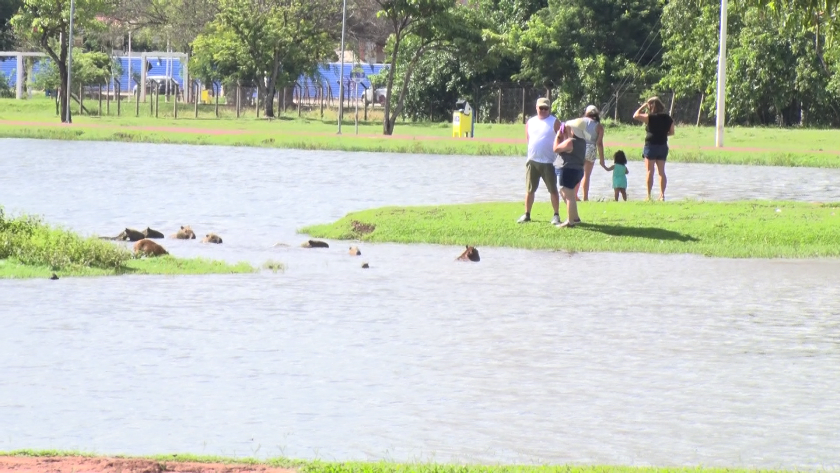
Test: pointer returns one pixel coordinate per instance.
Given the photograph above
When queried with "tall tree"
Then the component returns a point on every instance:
(267, 42)
(418, 26)
(45, 21)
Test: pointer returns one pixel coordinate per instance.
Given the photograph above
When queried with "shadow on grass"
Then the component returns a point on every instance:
(638, 232)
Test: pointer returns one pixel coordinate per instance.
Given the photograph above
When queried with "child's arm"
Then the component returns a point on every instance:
(626, 171)
(610, 168)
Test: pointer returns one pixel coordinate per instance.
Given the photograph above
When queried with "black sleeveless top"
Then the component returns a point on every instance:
(575, 158)
(658, 126)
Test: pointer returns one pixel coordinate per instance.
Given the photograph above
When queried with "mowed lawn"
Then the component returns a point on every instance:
(36, 118)
(749, 229)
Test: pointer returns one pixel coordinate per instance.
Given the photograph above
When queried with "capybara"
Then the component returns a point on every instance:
(54, 276)
(470, 254)
(128, 234)
(185, 233)
(354, 251)
(315, 244)
(211, 238)
(365, 265)
(149, 248)
(149, 233)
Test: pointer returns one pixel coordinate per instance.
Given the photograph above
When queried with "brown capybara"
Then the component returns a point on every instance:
(354, 251)
(211, 238)
(149, 248)
(185, 233)
(365, 265)
(128, 234)
(149, 233)
(315, 244)
(470, 254)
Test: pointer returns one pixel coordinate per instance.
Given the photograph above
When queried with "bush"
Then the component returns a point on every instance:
(5, 89)
(30, 241)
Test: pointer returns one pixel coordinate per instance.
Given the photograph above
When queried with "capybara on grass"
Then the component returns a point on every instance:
(149, 233)
(315, 244)
(185, 233)
(149, 248)
(470, 254)
(211, 238)
(354, 251)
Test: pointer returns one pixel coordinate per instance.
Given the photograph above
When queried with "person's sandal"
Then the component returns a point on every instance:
(566, 224)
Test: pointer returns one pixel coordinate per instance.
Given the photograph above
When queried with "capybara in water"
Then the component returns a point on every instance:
(149, 233)
(315, 244)
(128, 234)
(54, 276)
(365, 265)
(470, 254)
(211, 238)
(149, 248)
(185, 233)
(354, 251)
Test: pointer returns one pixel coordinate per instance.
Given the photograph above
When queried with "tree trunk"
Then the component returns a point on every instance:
(401, 100)
(388, 123)
(269, 101)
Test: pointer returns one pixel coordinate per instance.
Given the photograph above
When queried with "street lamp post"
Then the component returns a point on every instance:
(70, 57)
(721, 84)
(341, 74)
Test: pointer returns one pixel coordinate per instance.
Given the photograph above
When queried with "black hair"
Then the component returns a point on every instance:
(620, 158)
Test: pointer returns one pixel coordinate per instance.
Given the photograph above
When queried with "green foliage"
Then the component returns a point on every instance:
(8, 8)
(30, 241)
(586, 48)
(751, 229)
(5, 89)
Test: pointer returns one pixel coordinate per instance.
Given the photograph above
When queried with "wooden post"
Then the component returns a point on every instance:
(257, 107)
(700, 109)
(157, 100)
(284, 100)
(152, 98)
(673, 99)
(615, 112)
(136, 104)
(108, 99)
(196, 96)
(81, 98)
(524, 108)
(322, 101)
(300, 97)
(118, 93)
(100, 100)
(175, 101)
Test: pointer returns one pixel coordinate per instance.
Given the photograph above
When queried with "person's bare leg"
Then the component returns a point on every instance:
(529, 202)
(571, 206)
(587, 172)
(663, 180)
(623, 194)
(649, 166)
(555, 202)
(617, 192)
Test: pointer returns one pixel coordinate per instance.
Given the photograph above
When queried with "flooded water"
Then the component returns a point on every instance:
(526, 357)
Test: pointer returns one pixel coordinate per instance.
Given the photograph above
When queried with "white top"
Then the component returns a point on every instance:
(585, 128)
(541, 139)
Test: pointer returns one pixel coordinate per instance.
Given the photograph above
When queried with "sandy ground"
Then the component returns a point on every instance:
(122, 465)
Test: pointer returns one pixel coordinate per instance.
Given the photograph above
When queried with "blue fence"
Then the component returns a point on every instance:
(326, 77)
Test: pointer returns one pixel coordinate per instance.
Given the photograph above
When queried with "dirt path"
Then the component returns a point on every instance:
(122, 465)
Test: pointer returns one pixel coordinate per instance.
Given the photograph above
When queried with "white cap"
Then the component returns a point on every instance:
(591, 109)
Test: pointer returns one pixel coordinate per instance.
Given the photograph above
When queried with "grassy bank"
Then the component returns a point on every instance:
(36, 118)
(317, 466)
(30, 248)
(751, 229)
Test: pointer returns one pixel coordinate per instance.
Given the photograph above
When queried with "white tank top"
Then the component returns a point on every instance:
(541, 139)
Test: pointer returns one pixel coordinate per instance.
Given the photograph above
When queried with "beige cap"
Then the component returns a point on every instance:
(591, 109)
(543, 102)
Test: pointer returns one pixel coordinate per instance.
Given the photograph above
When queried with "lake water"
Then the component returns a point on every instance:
(526, 357)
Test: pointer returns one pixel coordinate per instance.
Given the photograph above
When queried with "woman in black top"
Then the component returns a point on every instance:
(659, 127)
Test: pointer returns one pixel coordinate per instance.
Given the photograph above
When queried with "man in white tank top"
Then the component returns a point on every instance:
(540, 132)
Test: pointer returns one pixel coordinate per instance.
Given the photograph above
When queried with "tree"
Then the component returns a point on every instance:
(8, 8)
(45, 21)
(268, 42)
(417, 27)
(587, 47)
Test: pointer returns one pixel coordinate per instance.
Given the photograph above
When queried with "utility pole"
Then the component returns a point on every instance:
(341, 80)
(70, 57)
(721, 85)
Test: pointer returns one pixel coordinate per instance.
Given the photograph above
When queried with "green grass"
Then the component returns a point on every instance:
(30, 248)
(765, 146)
(751, 229)
(318, 466)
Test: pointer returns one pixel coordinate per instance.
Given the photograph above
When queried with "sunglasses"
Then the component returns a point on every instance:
(544, 108)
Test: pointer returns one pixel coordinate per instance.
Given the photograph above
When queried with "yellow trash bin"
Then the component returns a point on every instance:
(462, 120)
(205, 96)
